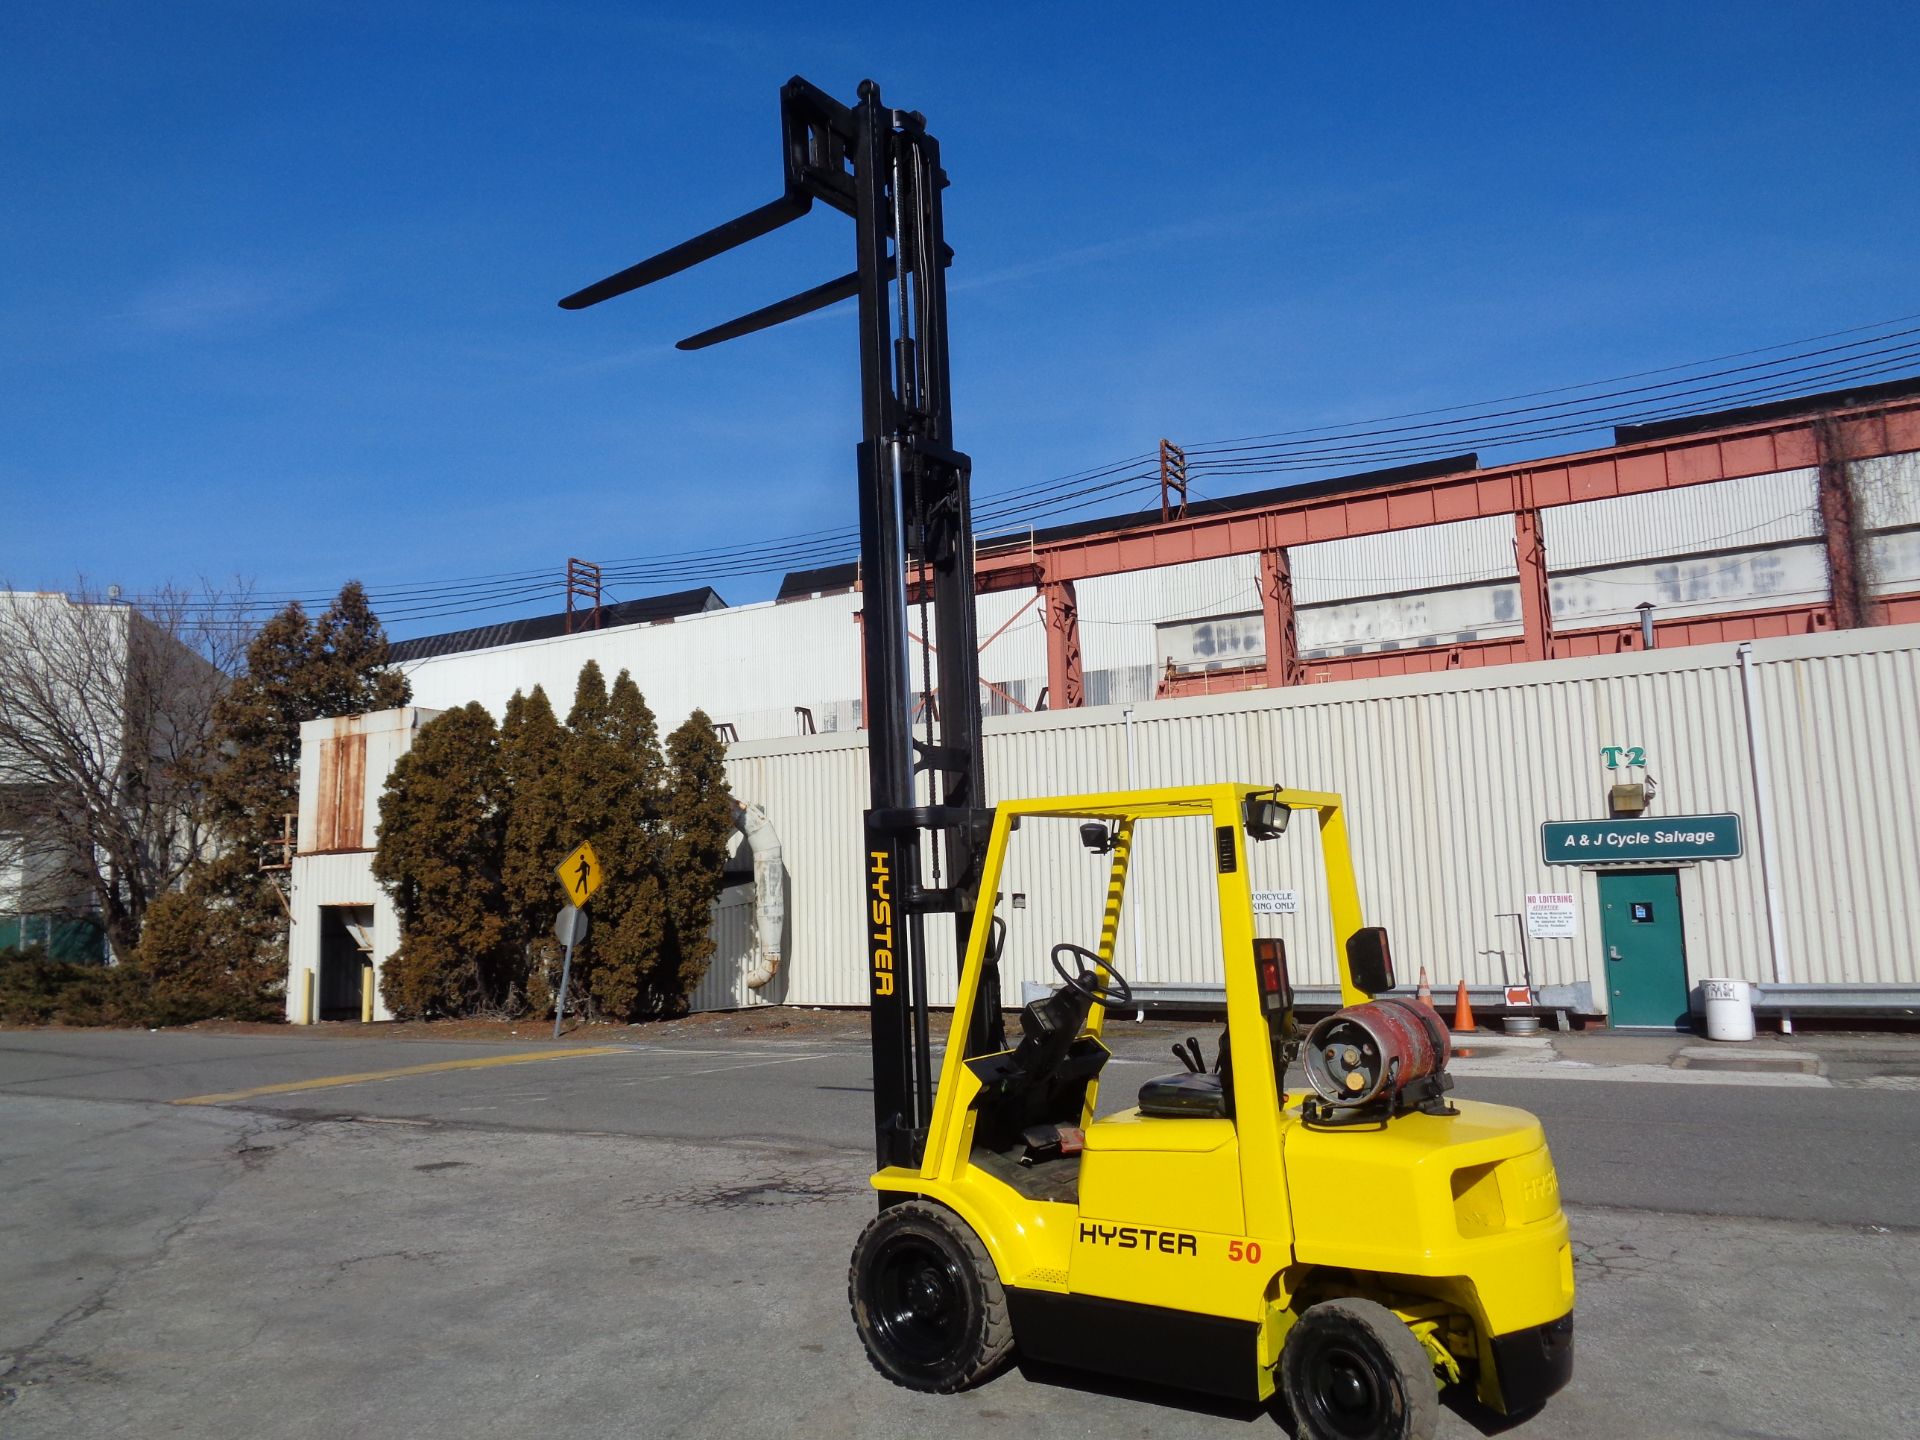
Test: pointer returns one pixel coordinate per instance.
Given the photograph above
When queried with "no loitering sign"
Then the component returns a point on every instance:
(1552, 917)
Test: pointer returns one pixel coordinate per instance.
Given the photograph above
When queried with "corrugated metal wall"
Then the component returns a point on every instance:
(1732, 545)
(1888, 490)
(344, 879)
(724, 987)
(1840, 732)
(1729, 514)
(1447, 779)
(1431, 557)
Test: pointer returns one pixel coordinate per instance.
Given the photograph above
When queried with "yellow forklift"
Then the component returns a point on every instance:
(1359, 1243)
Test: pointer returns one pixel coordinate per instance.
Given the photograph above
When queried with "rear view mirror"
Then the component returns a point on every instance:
(1369, 962)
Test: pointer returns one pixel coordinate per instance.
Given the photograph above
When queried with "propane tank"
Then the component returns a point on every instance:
(1370, 1052)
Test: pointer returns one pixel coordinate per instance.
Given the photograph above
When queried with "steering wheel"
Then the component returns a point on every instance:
(1115, 994)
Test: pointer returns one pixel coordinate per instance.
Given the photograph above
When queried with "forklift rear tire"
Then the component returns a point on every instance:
(927, 1301)
(1352, 1370)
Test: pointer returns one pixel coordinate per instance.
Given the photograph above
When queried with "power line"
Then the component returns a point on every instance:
(1587, 408)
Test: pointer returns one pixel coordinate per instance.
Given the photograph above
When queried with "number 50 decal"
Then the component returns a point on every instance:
(1248, 1250)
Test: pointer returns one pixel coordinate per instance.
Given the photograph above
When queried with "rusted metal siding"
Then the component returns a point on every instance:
(344, 764)
(1447, 779)
(1757, 449)
(340, 823)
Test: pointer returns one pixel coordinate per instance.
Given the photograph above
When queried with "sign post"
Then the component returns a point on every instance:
(569, 928)
(579, 875)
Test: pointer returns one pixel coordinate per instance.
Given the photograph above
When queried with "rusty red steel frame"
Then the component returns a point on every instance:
(1822, 441)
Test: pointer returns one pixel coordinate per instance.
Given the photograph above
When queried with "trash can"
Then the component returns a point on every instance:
(1729, 1009)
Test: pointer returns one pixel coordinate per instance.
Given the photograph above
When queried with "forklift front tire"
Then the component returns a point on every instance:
(926, 1299)
(1352, 1370)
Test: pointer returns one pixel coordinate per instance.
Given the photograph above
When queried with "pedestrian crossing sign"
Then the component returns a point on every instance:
(580, 874)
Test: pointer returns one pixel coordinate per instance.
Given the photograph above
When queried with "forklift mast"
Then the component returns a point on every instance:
(880, 167)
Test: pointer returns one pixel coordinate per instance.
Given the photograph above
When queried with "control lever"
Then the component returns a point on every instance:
(1189, 1056)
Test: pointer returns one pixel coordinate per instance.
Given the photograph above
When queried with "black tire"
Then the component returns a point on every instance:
(1352, 1370)
(926, 1300)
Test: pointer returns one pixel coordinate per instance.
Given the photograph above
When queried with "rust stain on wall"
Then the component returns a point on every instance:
(342, 789)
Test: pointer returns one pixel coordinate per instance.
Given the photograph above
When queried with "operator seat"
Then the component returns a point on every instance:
(1042, 1080)
(1192, 1094)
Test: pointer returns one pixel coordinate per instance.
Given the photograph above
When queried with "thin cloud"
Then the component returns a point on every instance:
(208, 300)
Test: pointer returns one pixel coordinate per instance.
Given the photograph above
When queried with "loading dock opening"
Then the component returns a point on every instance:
(346, 962)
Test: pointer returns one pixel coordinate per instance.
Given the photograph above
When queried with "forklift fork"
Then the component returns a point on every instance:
(881, 168)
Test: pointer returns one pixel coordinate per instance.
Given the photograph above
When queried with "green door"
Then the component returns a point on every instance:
(1646, 960)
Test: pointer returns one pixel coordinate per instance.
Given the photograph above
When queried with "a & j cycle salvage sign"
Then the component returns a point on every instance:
(1613, 842)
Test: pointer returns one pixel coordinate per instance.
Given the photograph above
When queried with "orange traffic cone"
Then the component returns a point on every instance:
(1425, 993)
(1462, 1010)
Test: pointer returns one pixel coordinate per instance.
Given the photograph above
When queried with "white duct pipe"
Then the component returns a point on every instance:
(769, 890)
(1763, 821)
(1138, 958)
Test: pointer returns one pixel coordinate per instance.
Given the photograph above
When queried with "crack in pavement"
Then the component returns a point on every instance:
(39, 1361)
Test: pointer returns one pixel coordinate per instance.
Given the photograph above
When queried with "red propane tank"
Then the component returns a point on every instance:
(1369, 1052)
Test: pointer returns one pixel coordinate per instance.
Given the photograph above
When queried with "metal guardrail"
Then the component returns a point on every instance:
(1576, 999)
(1836, 999)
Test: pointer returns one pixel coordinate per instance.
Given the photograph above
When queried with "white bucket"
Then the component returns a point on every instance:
(1729, 1009)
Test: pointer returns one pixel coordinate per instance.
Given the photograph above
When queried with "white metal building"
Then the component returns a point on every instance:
(1448, 780)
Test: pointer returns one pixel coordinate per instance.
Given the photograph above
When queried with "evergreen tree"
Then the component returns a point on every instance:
(349, 659)
(474, 821)
(532, 762)
(442, 835)
(215, 947)
(698, 824)
(588, 780)
(297, 670)
(631, 907)
(224, 936)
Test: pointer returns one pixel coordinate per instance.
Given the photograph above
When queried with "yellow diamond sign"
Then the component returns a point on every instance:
(580, 874)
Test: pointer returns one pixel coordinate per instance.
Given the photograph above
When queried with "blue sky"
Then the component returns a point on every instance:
(280, 278)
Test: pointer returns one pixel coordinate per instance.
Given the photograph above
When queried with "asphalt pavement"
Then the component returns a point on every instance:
(650, 1237)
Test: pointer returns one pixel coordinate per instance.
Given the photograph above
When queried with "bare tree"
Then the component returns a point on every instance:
(106, 727)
